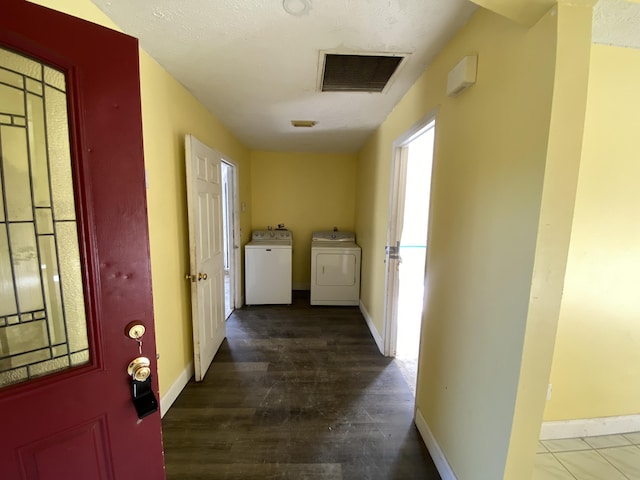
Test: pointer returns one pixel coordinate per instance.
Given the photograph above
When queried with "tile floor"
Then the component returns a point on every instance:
(610, 457)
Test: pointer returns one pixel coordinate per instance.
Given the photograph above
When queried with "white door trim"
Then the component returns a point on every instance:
(236, 241)
(394, 227)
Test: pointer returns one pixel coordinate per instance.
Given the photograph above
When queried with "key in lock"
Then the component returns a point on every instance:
(142, 394)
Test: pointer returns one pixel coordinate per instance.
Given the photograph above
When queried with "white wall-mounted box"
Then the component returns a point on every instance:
(462, 76)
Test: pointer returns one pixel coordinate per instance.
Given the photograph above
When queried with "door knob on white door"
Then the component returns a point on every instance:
(193, 278)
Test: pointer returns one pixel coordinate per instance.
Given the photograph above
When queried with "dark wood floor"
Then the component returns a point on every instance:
(296, 392)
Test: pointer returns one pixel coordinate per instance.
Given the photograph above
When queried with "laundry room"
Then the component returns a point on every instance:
(305, 192)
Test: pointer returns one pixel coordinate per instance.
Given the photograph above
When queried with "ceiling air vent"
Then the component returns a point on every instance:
(358, 73)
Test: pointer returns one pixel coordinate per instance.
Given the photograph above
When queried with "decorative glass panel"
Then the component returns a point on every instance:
(34, 86)
(19, 64)
(15, 167)
(12, 100)
(59, 154)
(10, 78)
(38, 152)
(44, 221)
(42, 312)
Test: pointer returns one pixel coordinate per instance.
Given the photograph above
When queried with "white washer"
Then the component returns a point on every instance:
(335, 269)
(267, 267)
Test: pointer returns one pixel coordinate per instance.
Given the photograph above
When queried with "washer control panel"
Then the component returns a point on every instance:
(271, 235)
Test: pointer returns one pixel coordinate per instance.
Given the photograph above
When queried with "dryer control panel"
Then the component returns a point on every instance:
(346, 237)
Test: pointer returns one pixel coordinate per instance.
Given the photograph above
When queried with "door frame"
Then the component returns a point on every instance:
(236, 232)
(394, 227)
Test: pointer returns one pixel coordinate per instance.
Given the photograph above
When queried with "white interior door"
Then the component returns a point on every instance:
(394, 234)
(204, 200)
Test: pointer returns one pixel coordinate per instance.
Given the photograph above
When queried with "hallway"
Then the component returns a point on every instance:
(296, 392)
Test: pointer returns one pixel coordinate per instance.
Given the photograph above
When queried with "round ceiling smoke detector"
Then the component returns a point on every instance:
(296, 7)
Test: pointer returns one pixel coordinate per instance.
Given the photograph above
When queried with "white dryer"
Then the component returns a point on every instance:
(335, 269)
(267, 267)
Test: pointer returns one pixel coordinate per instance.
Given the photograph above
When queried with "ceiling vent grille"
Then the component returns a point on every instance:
(358, 73)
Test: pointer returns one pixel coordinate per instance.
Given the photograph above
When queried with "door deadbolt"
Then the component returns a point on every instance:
(135, 330)
(139, 369)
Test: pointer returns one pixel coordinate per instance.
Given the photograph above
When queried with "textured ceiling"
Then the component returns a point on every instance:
(617, 22)
(257, 67)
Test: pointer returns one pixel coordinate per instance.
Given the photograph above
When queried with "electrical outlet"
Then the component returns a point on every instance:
(549, 389)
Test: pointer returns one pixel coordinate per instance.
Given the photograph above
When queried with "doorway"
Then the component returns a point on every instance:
(407, 246)
(229, 235)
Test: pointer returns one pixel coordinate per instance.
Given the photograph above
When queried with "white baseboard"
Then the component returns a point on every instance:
(590, 427)
(444, 469)
(174, 390)
(372, 328)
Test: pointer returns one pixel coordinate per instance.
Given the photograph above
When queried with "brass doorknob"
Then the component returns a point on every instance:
(193, 278)
(139, 369)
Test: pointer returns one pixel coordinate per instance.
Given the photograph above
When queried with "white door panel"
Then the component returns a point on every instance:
(204, 194)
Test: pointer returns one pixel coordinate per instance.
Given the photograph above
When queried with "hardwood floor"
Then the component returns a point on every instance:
(296, 392)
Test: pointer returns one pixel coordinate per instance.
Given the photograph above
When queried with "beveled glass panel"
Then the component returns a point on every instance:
(15, 162)
(44, 221)
(24, 359)
(20, 64)
(72, 293)
(26, 268)
(23, 338)
(42, 312)
(12, 100)
(11, 78)
(55, 78)
(38, 151)
(60, 350)
(2, 218)
(49, 366)
(80, 358)
(8, 304)
(51, 284)
(59, 155)
(34, 86)
(13, 376)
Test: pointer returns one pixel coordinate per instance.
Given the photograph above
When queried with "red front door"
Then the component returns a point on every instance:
(77, 422)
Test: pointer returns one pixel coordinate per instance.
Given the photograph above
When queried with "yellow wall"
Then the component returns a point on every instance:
(491, 151)
(596, 364)
(307, 192)
(168, 113)
(566, 127)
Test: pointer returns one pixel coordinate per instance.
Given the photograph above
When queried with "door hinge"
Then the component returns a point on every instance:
(393, 251)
